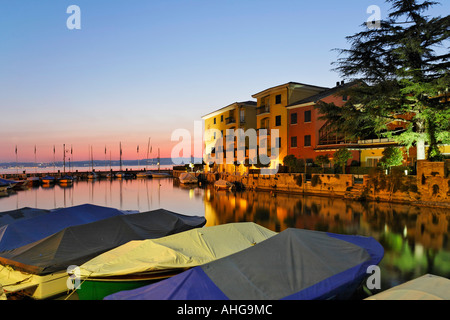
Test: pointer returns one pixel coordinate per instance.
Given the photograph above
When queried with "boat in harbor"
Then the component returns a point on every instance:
(10, 216)
(15, 184)
(223, 185)
(296, 264)
(124, 175)
(66, 180)
(187, 178)
(92, 175)
(40, 269)
(35, 180)
(146, 174)
(47, 180)
(426, 287)
(4, 190)
(138, 263)
(24, 231)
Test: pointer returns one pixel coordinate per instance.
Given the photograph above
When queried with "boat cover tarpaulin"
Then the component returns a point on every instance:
(77, 244)
(179, 251)
(22, 232)
(295, 264)
(426, 287)
(7, 217)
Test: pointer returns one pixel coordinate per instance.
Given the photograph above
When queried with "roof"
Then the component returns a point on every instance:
(229, 107)
(323, 94)
(288, 84)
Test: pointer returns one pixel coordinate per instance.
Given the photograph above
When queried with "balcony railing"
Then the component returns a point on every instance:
(263, 109)
(230, 120)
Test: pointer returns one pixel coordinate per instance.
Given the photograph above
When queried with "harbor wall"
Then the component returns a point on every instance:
(430, 187)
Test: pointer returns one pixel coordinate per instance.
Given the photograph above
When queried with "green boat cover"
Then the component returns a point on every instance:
(183, 250)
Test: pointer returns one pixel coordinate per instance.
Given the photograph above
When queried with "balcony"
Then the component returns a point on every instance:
(262, 110)
(230, 120)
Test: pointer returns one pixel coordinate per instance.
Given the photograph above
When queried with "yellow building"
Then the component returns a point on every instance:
(271, 113)
(238, 115)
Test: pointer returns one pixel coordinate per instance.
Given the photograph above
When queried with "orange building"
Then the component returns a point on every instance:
(309, 136)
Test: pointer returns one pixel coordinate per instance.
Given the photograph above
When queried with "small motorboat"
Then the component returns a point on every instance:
(160, 175)
(144, 175)
(296, 264)
(187, 178)
(223, 185)
(66, 180)
(48, 180)
(92, 176)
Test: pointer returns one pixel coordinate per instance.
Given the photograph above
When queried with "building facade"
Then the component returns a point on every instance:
(272, 115)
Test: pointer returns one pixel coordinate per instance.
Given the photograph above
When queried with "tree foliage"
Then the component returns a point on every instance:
(392, 157)
(401, 76)
(341, 157)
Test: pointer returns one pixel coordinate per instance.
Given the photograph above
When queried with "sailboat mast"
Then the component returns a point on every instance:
(120, 156)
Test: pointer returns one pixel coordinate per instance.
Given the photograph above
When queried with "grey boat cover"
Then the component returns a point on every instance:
(295, 264)
(77, 244)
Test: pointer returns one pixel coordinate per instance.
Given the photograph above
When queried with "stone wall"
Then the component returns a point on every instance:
(430, 187)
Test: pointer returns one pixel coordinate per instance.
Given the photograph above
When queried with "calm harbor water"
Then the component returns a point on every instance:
(415, 239)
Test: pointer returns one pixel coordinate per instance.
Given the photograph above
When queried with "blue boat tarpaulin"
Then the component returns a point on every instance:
(294, 264)
(7, 217)
(24, 231)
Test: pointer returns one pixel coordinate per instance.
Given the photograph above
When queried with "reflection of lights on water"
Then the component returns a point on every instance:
(405, 232)
(191, 193)
(208, 195)
(243, 204)
(386, 228)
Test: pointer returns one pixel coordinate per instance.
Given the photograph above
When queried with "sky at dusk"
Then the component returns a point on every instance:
(140, 69)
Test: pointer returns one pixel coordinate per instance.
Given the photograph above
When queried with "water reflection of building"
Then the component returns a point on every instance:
(427, 226)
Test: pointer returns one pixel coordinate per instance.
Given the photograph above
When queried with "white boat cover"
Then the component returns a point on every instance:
(426, 287)
(183, 250)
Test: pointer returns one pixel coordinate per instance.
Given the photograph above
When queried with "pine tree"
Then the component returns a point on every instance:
(402, 75)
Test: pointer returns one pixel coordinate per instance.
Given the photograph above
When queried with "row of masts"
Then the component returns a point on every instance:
(91, 157)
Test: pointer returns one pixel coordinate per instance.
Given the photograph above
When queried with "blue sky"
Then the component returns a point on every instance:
(140, 69)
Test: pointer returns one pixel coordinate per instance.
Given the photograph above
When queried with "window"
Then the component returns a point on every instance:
(293, 142)
(307, 141)
(278, 143)
(278, 121)
(221, 118)
(278, 99)
(344, 98)
(242, 115)
(294, 118)
(308, 116)
(214, 120)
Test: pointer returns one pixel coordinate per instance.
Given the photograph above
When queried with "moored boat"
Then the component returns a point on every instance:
(92, 175)
(39, 269)
(223, 185)
(138, 263)
(295, 264)
(67, 180)
(48, 180)
(160, 175)
(146, 174)
(21, 232)
(426, 287)
(187, 178)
